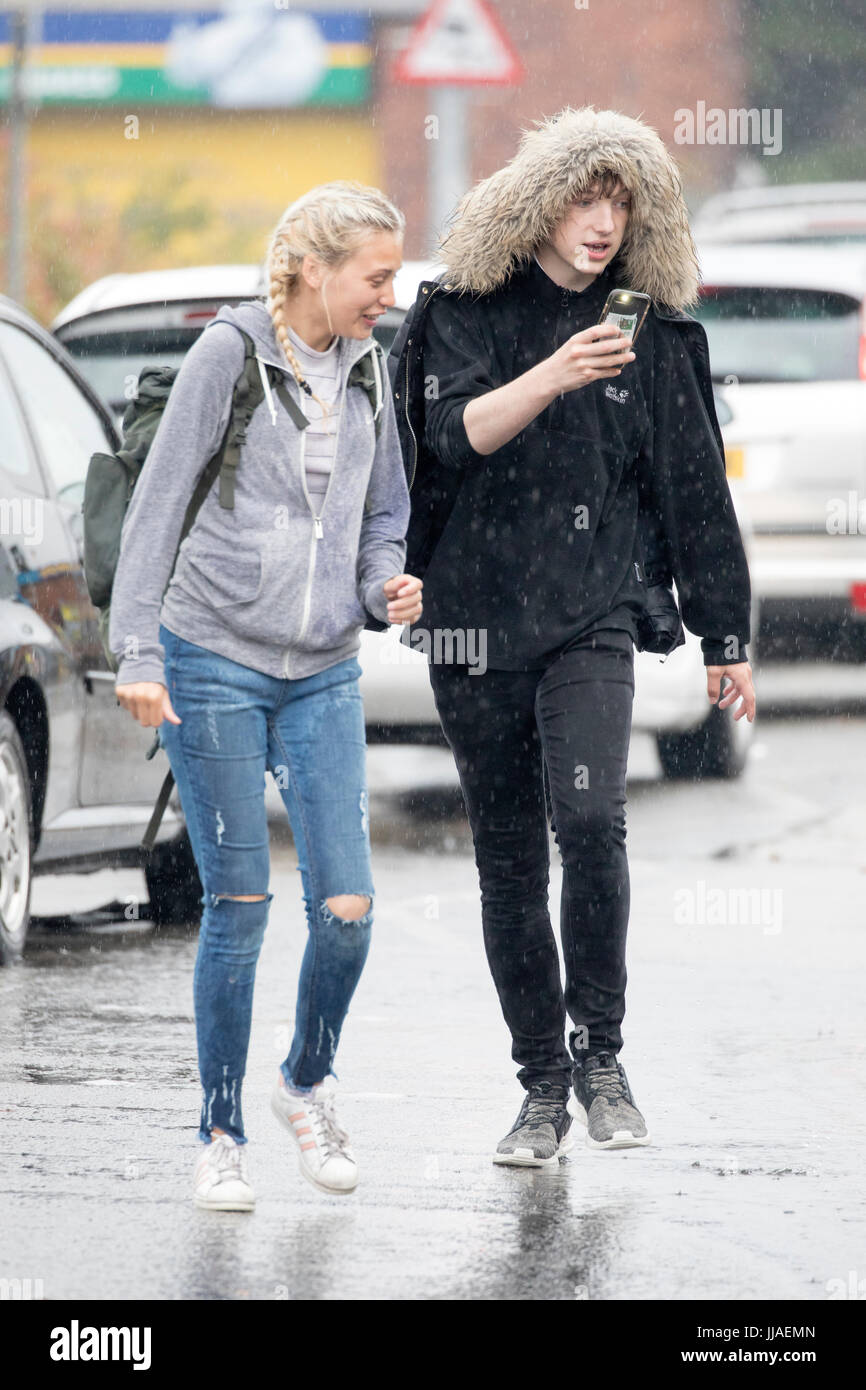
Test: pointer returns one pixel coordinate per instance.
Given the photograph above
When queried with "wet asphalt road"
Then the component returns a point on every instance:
(744, 1047)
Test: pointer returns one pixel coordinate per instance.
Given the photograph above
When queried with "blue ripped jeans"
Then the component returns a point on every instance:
(236, 723)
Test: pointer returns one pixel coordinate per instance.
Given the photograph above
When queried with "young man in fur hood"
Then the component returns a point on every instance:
(558, 481)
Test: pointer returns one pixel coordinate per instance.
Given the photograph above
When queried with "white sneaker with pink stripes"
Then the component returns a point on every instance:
(323, 1145)
(221, 1179)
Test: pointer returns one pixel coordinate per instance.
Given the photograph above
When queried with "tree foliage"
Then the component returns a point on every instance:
(808, 58)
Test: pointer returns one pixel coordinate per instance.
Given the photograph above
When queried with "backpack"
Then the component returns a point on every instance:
(111, 480)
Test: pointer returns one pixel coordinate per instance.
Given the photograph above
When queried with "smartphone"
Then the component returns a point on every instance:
(627, 309)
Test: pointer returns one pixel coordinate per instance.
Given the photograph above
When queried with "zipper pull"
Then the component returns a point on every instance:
(318, 526)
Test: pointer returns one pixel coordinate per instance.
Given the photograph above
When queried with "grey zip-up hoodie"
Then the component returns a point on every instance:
(267, 584)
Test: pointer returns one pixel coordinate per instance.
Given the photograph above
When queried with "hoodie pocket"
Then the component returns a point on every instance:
(229, 576)
(337, 612)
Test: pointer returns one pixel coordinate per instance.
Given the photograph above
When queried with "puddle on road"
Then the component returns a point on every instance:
(44, 1076)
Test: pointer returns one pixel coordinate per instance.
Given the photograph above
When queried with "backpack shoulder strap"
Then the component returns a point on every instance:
(278, 381)
(246, 396)
(369, 373)
(248, 393)
(378, 356)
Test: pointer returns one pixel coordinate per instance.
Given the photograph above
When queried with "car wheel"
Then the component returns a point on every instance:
(173, 883)
(16, 842)
(717, 748)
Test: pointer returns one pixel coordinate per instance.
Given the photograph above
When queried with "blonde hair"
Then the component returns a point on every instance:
(330, 221)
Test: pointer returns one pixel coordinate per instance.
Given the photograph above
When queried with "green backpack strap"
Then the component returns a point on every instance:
(248, 394)
(364, 374)
(148, 839)
(295, 413)
(370, 375)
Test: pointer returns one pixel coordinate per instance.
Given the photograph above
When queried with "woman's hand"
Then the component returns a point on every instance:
(404, 594)
(740, 676)
(148, 702)
(581, 360)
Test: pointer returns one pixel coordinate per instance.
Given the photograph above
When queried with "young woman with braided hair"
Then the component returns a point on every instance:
(249, 661)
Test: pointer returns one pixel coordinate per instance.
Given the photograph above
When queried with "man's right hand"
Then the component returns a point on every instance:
(495, 417)
(580, 360)
(148, 702)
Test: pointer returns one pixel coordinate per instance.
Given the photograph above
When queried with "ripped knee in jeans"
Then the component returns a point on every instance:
(348, 907)
(240, 897)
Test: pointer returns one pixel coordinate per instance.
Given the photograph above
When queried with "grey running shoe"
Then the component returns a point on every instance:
(540, 1134)
(605, 1104)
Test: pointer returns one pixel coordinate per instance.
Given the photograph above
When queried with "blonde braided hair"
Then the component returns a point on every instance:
(330, 221)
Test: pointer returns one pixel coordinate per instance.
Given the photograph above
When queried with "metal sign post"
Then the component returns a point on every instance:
(24, 26)
(457, 44)
(449, 174)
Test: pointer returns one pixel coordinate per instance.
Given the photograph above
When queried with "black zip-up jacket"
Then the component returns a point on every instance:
(613, 487)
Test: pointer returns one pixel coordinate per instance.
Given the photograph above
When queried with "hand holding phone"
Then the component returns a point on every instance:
(585, 357)
(627, 311)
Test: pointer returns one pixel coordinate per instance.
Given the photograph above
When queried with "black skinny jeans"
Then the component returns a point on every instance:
(505, 728)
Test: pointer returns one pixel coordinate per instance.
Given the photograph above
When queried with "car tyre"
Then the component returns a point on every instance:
(717, 748)
(173, 883)
(16, 842)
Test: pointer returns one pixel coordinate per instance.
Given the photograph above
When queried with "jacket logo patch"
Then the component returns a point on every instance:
(612, 394)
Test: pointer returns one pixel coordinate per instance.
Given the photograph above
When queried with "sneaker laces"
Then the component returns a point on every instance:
(328, 1130)
(540, 1107)
(607, 1082)
(228, 1155)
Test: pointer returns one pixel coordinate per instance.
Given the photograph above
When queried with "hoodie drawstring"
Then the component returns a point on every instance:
(377, 373)
(266, 384)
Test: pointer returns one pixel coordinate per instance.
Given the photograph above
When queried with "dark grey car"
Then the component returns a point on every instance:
(76, 790)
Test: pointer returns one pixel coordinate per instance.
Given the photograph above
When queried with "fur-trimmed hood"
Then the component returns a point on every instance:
(501, 222)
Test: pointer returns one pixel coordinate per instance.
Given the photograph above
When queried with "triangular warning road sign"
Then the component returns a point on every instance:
(459, 41)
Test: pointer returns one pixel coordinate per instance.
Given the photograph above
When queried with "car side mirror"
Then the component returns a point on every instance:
(75, 517)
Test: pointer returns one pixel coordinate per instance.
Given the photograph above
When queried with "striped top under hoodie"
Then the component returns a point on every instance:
(321, 370)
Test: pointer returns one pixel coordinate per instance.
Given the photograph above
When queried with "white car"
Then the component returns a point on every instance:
(121, 323)
(787, 333)
(820, 212)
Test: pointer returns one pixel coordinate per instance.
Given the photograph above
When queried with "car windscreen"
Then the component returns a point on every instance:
(111, 362)
(768, 334)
